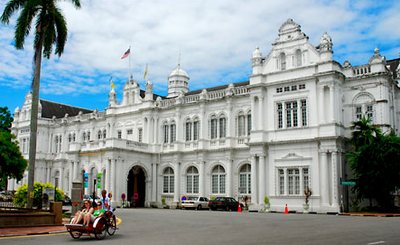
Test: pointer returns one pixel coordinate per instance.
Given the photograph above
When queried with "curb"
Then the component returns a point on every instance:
(370, 215)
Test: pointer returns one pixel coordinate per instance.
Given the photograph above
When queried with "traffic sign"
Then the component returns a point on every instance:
(352, 183)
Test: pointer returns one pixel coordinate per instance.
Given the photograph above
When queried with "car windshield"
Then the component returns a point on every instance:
(220, 199)
(192, 198)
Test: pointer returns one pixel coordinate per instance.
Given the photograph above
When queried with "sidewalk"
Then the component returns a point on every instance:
(33, 230)
(366, 214)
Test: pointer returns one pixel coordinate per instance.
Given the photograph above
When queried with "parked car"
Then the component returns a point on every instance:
(196, 203)
(224, 203)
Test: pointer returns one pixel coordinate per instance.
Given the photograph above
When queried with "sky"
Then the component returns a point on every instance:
(213, 40)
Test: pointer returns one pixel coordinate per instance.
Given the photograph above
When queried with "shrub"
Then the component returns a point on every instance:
(20, 198)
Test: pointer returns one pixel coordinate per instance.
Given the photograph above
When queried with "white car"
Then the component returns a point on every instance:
(196, 203)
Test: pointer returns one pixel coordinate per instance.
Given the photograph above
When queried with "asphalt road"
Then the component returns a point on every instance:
(175, 227)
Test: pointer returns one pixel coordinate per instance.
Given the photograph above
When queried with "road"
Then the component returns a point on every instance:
(186, 227)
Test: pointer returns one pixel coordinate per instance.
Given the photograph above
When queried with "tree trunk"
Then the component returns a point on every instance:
(34, 119)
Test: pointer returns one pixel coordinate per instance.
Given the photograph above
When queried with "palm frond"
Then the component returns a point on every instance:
(76, 3)
(23, 26)
(11, 7)
(62, 30)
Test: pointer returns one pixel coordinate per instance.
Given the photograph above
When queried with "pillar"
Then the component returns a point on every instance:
(177, 181)
(334, 184)
(332, 103)
(324, 179)
(253, 180)
(321, 104)
(260, 113)
(261, 179)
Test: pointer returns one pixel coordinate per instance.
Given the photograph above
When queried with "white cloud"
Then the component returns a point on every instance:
(215, 39)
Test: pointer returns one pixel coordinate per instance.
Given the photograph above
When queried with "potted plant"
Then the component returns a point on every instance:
(267, 205)
(164, 203)
(307, 194)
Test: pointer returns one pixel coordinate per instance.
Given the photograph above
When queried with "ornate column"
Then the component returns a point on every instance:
(332, 105)
(254, 120)
(61, 178)
(321, 104)
(202, 178)
(112, 174)
(177, 181)
(253, 180)
(71, 176)
(229, 185)
(260, 112)
(324, 179)
(261, 179)
(153, 179)
(107, 177)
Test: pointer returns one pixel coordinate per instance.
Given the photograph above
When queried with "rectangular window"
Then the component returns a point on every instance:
(306, 182)
(279, 90)
(140, 135)
(302, 86)
(189, 184)
(166, 133)
(214, 184)
(293, 181)
(242, 183)
(280, 115)
(129, 131)
(369, 112)
(287, 88)
(241, 126)
(119, 134)
(222, 184)
(196, 130)
(291, 114)
(358, 112)
(165, 184)
(171, 184)
(281, 182)
(303, 112)
(294, 87)
(195, 184)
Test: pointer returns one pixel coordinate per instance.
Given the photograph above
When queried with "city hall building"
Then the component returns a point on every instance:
(283, 130)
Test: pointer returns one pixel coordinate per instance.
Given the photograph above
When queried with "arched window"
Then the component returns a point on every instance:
(73, 137)
(173, 132)
(168, 180)
(282, 59)
(364, 106)
(166, 133)
(245, 179)
(248, 123)
(213, 127)
(84, 136)
(196, 128)
(69, 138)
(222, 127)
(218, 180)
(104, 134)
(88, 136)
(241, 124)
(192, 180)
(99, 134)
(188, 130)
(298, 58)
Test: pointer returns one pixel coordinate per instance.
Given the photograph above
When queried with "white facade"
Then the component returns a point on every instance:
(283, 130)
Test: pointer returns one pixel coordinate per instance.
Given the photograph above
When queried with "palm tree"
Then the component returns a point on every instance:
(50, 29)
(364, 132)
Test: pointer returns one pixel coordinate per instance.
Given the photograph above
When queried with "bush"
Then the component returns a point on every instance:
(20, 198)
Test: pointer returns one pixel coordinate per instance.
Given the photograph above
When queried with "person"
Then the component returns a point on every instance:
(89, 216)
(105, 201)
(80, 215)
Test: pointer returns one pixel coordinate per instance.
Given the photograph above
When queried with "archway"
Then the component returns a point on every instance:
(136, 187)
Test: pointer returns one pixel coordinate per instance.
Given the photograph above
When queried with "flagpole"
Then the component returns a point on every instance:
(129, 68)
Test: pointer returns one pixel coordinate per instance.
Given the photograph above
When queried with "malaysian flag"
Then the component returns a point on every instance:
(126, 54)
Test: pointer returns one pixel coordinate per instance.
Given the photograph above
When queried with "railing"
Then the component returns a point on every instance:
(191, 98)
(362, 70)
(241, 90)
(218, 94)
(136, 144)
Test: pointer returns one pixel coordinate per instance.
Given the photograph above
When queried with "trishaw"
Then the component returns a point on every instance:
(99, 228)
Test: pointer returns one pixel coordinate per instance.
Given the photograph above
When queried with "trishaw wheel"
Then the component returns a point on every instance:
(75, 234)
(100, 231)
(112, 226)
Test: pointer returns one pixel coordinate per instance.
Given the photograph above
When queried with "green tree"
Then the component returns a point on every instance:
(50, 29)
(20, 198)
(375, 163)
(12, 164)
(5, 119)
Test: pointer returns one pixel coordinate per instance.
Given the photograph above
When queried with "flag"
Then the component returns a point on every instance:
(112, 83)
(145, 73)
(126, 54)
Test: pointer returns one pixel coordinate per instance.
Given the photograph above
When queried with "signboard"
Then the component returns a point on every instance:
(184, 198)
(123, 196)
(351, 183)
(135, 196)
(99, 175)
(86, 179)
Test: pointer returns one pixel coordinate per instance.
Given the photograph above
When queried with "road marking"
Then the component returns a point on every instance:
(378, 242)
(30, 236)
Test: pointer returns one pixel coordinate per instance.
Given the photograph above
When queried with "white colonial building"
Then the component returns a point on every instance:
(282, 131)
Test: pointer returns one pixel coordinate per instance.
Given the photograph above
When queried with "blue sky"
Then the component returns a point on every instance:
(215, 39)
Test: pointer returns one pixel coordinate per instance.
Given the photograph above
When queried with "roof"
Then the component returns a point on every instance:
(50, 109)
(239, 84)
(393, 64)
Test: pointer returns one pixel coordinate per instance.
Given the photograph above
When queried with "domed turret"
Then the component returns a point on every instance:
(178, 82)
(326, 43)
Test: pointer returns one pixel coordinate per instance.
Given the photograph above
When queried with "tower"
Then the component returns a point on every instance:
(178, 82)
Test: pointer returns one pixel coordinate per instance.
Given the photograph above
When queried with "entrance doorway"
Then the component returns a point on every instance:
(136, 187)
